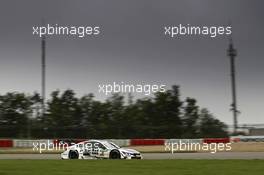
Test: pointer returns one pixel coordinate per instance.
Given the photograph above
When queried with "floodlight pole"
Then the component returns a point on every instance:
(43, 74)
(232, 53)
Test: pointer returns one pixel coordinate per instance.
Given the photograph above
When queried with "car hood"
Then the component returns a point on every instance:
(127, 150)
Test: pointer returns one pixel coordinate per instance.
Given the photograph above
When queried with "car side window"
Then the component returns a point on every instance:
(101, 146)
(80, 145)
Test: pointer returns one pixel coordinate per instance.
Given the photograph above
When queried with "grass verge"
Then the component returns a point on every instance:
(131, 167)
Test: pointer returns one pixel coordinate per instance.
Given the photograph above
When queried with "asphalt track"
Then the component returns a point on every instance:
(219, 155)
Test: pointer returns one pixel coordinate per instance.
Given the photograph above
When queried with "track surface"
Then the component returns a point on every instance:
(220, 155)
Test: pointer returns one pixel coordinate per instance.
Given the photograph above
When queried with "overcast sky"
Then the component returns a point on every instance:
(132, 48)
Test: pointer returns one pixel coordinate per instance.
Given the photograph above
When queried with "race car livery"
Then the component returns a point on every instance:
(99, 149)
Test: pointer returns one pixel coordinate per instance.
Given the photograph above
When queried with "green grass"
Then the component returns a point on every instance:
(135, 167)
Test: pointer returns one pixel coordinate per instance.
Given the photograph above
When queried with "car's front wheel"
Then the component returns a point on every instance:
(73, 155)
(114, 154)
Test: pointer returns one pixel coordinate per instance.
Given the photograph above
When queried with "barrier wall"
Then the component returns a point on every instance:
(6, 143)
(247, 138)
(216, 140)
(136, 142)
(18, 143)
(170, 141)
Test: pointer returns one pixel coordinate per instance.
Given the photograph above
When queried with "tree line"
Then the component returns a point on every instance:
(165, 115)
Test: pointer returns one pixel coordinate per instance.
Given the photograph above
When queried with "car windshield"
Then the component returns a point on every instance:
(116, 146)
(110, 145)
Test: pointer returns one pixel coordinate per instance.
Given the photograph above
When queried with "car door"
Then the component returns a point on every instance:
(87, 149)
(102, 150)
(95, 149)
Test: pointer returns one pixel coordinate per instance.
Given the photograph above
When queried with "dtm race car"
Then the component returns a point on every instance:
(99, 149)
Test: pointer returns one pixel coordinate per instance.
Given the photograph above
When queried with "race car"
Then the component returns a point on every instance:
(99, 149)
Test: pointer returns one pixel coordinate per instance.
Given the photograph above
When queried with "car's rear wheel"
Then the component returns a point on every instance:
(73, 155)
(115, 154)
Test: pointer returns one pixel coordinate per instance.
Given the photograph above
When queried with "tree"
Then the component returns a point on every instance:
(115, 108)
(190, 118)
(15, 109)
(143, 122)
(86, 104)
(211, 127)
(67, 116)
(168, 113)
(64, 112)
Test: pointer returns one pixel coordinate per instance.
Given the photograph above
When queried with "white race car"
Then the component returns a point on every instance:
(99, 149)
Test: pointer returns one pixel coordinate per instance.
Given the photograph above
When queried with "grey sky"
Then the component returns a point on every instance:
(132, 48)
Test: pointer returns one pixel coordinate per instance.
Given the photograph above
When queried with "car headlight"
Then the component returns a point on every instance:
(126, 153)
